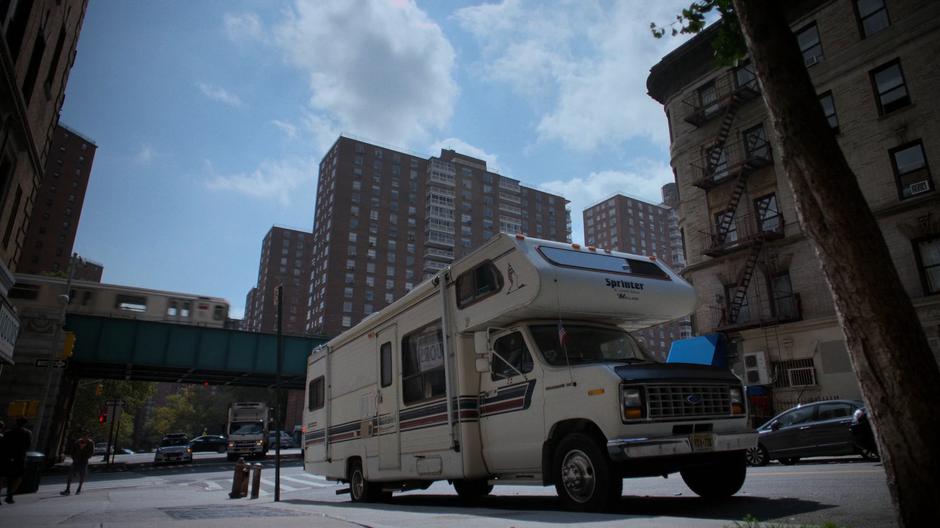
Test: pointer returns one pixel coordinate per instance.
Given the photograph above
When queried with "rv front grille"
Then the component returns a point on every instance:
(687, 400)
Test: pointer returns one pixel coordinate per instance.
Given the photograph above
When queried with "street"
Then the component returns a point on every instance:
(845, 491)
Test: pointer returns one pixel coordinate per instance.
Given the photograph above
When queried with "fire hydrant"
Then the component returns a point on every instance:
(255, 480)
(240, 480)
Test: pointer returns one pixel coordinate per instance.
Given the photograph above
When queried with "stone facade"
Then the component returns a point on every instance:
(789, 317)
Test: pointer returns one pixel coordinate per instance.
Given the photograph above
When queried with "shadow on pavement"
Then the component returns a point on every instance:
(548, 509)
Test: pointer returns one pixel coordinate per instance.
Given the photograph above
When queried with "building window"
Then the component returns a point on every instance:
(810, 45)
(768, 215)
(708, 99)
(890, 87)
(872, 16)
(829, 109)
(755, 144)
(347, 321)
(721, 219)
(911, 170)
(783, 300)
(927, 252)
(422, 364)
(794, 373)
(744, 77)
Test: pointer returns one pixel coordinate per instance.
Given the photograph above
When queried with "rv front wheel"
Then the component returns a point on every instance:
(717, 480)
(470, 490)
(583, 478)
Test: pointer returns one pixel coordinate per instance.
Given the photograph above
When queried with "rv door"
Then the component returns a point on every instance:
(387, 426)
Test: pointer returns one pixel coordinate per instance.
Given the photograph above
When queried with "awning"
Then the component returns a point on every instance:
(708, 349)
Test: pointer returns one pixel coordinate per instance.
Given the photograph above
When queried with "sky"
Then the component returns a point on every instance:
(211, 117)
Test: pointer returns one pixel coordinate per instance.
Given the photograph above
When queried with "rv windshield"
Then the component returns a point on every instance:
(585, 344)
(245, 428)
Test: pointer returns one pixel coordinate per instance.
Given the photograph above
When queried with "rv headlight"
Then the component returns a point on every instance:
(737, 400)
(231, 444)
(259, 442)
(631, 400)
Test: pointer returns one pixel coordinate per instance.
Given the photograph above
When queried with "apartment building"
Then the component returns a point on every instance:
(386, 220)
(285, 261)
(37, 50)
(54, 221)
(634, 226)
(873, 63)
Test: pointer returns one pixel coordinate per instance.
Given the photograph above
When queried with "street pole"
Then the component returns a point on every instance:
(53, 351)
(277, 395)
(117, 433)
(107, 450)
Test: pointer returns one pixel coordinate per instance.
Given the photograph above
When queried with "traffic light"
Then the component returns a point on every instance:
(99, 389)
(102, 415)
(69, 347)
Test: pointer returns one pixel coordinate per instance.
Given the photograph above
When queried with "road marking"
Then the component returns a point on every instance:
(212, 486)
(284, 487)
(306, 482)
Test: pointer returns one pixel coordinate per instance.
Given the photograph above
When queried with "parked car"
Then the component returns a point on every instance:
(173, 448)
(286, 441)
(213, 443)
(814, 429)
(101, 448)
(125, 451)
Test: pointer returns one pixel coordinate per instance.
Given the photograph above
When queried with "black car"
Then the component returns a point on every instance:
(816, 429)
(213, 443)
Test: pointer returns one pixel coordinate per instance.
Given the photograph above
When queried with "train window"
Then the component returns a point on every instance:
(86, 298)
(29, 292)
(172, 310)
(186, 309)
(218, 313)
(131, 303)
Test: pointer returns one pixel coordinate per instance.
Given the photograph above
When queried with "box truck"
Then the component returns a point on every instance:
(515, 365)
(247, 429)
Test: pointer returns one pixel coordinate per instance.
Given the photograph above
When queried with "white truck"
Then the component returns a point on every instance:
(515, 366)
(247, 429)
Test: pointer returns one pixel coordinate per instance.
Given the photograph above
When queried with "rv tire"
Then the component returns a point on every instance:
(472, 489)
(360, 489)
(717, 480)
(231, 457)
(583, 477)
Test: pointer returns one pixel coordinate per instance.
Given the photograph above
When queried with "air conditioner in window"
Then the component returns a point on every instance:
(755, 368)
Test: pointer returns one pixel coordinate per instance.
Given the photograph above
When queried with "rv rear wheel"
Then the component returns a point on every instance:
(583, 477)
(717, 480)
(470, 490)
(360, 489)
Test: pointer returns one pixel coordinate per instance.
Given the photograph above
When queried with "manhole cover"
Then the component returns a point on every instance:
(222, 511)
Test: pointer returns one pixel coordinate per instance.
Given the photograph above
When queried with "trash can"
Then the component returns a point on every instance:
(33, 473)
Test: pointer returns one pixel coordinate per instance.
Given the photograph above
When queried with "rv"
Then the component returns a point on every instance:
(515, 365)
(247, 429)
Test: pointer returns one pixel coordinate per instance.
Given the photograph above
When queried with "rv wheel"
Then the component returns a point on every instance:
(583, 478)
(361, 490)
(470, 490)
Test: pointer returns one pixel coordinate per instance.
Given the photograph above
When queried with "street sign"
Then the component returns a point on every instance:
(54, 363)
(115, 403)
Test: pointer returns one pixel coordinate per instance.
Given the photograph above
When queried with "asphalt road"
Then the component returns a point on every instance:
(847, 492)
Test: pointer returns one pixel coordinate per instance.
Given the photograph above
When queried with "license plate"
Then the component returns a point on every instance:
(703, 442)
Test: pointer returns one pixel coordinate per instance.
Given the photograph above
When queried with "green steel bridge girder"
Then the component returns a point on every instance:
(130, 349)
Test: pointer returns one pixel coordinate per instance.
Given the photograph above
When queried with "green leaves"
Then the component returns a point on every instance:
(728, 43)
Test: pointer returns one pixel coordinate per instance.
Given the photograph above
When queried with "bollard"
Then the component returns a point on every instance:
(239, 480)
(245, 478)
(255, 480)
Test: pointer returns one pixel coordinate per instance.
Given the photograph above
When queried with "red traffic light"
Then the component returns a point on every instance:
(102, 418)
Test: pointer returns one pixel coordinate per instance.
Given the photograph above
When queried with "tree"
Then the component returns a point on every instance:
(88, 403)
(897, 372)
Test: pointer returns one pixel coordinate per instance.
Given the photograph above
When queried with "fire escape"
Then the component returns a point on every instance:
(724, 163)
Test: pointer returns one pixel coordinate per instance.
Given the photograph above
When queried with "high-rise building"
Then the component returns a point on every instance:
(54, 220)
(758, 278)
(86, 270)
(386, 220)
(285, 261)
(37, 50)
(634, 226)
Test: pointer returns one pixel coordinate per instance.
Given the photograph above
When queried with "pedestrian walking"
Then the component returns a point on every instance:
(13, 449)
(80, 451)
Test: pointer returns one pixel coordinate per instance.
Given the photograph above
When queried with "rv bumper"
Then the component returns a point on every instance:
(621, 449)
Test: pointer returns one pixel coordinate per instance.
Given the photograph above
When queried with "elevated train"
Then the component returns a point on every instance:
(110, 300)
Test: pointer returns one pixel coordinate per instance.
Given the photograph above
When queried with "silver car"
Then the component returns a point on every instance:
(173, 448)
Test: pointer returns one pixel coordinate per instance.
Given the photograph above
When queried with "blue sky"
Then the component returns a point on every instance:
(211, 117)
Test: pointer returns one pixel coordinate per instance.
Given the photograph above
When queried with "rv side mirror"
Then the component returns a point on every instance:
(483, 364)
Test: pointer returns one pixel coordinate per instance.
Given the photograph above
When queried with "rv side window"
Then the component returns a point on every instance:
(315, 393)
(422, 364)
(511, 349)
(477, 284)
(570, 258)
(386, 359)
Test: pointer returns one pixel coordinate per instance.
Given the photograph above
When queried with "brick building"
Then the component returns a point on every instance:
(386, 220)
(874, 66)
(54, 220)
(286, 255)
(37, 50)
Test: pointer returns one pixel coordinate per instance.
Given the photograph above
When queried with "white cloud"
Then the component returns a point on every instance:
(289, 129)
(583, 64)
(643, 180)
(145, 155)
(462, 147)
(271, 180)
(381, 70)
(217, 93)
(243, 27)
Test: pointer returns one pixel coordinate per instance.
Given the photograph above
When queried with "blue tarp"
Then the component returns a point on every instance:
(708, 349)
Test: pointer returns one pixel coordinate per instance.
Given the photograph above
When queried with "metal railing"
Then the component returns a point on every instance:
(708, 102)
(745, 230)
(724, 162)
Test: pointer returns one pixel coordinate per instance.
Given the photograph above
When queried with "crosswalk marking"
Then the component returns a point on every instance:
(300, 482)
(284, 487)
(307, 482)
(212, 486)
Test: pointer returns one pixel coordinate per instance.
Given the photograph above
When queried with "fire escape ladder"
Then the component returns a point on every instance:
(714, 155)
(744, 280)
(727, 220)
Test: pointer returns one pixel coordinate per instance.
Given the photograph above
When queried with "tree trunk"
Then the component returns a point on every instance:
(898, 374)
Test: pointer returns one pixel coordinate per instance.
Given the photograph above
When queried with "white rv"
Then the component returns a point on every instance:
(515, 366)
